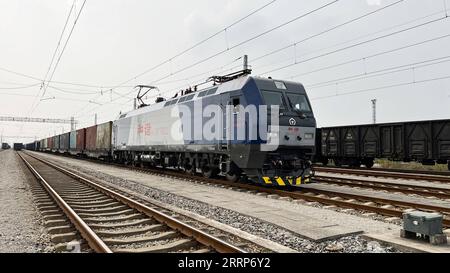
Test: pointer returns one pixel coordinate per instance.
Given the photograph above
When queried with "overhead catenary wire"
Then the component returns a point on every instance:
(59, 41)
(235, 46)
(382, 87)
(369, 41)
(355, 45)
(19, 87)
(65, 46)
(340, 43)
(329, 30)
(225, 29)
(381, 72)
(370, 56)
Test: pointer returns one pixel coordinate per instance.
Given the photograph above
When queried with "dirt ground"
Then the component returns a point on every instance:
(20, 225)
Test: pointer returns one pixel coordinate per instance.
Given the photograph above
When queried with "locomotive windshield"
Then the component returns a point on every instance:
(299, 102)
(274, 98)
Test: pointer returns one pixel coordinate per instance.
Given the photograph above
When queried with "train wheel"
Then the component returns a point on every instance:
(209, 172)
(232, 177)
(369, 163)
(189, 169)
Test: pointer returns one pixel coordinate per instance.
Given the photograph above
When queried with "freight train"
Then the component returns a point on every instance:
(263, 131)
(427, 142)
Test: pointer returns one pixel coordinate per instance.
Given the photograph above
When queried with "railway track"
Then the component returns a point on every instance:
(386, 174)
(381, 206)
(329, 197)
(109, 221)
(428, 191)
(427, 172)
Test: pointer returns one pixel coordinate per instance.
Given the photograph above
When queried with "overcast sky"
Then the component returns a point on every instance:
(115, 40)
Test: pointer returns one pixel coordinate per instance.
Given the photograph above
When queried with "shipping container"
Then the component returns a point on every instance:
(64, 143)
(98, 140)
(91, 138)
(103, 141)
(55, 147)
(50, 144)
(81, 141)
(73, 141)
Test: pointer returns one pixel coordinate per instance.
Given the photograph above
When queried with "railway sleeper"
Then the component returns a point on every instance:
(170, 247)
(122, 212)
(69, 247)
(123, 225)
(153, 228)
(134, 216)
(54, 217)
(64, 238)
(55, 223)
(85, 200)
(101, 210)
(45, 213)
(106, 205)
(92, 203)
(61, 229)
(83, 196)
(163, 236)
(77, 192)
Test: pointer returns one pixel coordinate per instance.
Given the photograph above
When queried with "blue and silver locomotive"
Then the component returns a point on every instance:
(242, 127)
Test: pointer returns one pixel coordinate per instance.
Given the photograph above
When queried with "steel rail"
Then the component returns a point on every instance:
(426, 172)
(86, 232)
(200, 236)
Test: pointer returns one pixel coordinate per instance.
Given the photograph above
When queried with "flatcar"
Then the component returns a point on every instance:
(427, 142)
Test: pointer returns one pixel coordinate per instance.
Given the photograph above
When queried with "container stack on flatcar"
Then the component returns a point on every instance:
(427, 142)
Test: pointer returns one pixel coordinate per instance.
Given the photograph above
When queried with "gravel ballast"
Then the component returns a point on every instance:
(351, 244)
(21, 228)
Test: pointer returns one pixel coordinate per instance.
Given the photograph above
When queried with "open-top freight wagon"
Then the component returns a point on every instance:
(427, 142)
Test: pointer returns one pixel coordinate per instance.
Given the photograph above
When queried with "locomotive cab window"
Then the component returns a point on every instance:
(274, 98)
(299, 102)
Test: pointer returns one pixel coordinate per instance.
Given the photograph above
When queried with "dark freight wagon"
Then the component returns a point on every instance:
(18, 146)
(427, 142)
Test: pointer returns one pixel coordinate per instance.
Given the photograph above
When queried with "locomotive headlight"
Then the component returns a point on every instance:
(309, 136)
